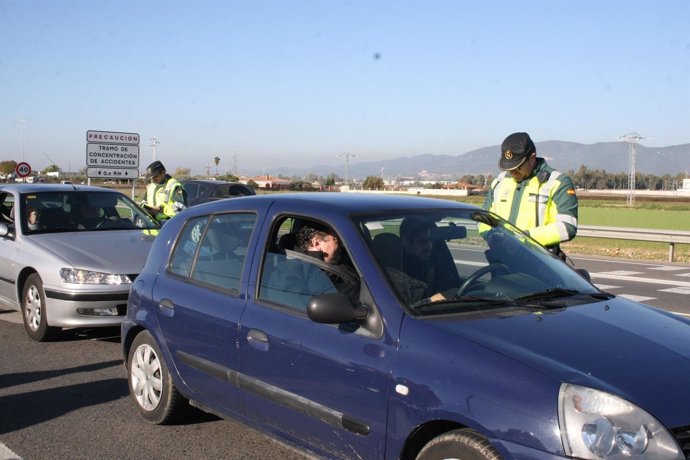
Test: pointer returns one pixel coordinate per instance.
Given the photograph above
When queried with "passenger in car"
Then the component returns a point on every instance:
(316, 265)
(322, 242)
(32, 219)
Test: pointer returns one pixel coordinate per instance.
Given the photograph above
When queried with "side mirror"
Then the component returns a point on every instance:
(584, 273)
(334, 309)
(6, 231)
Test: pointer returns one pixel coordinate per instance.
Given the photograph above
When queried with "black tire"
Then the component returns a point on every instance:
(150, 384)
(34, 310)
(461, 444)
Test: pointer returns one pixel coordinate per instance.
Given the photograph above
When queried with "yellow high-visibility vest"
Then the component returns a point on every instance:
(545, 205)
(161, 195)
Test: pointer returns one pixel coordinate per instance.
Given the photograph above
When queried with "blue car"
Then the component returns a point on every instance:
(385, 327)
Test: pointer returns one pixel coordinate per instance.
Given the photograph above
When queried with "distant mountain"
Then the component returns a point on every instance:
(612, 157)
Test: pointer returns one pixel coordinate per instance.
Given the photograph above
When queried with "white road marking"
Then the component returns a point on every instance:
(467, 262)
(635, 279)
(621, 273)
(636, 298)
(668, 268)
(606, 287)
(683, 274)
(7, 454)
(677, 290)
(624, 262)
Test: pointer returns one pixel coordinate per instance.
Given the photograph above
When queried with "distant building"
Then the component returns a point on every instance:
(272, 183)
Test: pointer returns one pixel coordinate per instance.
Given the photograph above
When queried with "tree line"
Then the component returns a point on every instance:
(585, 178)
(598, 179)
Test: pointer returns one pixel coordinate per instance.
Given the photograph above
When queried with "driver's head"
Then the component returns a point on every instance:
(415, 234)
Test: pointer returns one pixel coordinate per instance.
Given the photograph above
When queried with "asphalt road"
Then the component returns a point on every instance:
(70, 399)
(663, 285)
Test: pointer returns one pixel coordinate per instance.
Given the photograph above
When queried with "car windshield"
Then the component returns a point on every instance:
(81, 210)
(450, 261)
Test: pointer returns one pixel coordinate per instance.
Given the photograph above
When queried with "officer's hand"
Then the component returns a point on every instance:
(495, 238)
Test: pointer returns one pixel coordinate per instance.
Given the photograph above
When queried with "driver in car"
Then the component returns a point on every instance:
(419, 261)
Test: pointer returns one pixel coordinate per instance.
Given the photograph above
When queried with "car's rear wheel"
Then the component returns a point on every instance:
(34, 310)
(150, 384)
(461, 444)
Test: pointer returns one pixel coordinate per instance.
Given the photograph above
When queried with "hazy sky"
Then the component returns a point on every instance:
(267, 83)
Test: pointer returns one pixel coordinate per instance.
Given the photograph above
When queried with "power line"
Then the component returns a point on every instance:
(347, 165)
(153, 144)
(631, 138)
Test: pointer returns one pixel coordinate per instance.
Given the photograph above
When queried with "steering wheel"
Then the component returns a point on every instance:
(469, 282)
(108, 223)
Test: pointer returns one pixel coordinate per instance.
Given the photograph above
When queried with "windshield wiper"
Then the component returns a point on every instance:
(474, 300)
(548, 294)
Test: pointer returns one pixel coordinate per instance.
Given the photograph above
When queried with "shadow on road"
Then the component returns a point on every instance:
(20, 378)
(34, 407)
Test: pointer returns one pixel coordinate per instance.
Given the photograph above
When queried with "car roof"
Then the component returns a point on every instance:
(212, 182)
(342, 202)
(33, 188)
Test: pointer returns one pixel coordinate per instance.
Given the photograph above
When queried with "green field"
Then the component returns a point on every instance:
(666, 219)
(663, 215)
(660, 216)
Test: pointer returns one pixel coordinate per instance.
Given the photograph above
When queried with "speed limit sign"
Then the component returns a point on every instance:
(23, 169)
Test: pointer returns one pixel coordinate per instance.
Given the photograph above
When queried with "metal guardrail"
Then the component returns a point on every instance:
(672, 237)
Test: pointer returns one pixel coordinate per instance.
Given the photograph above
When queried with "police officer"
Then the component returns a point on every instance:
(165, 195)
(533, 196)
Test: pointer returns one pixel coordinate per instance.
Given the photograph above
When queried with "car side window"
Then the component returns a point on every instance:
(183, 255)
(212, 250)
(191, 189)
(293, 272)
(7, 208)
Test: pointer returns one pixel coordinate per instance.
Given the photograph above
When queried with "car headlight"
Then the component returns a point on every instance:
(599, 425)
(76, 276)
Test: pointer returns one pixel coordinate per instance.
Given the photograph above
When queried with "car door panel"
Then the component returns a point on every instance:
(314, 382)
(207, 351)
(204, 278)
(325, 386)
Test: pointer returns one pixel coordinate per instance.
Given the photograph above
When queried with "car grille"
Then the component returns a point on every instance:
(682, 436)
(132, 277)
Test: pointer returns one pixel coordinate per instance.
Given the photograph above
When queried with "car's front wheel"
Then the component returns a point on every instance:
(461, 444)
(34, 310)
(150, 384)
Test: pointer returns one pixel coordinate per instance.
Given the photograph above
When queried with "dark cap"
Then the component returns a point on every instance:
(154, 168)
(514, 150)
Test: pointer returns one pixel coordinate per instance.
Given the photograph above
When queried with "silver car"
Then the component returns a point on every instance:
(69, 254)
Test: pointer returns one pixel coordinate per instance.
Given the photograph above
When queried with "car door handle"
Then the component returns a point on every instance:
(258, 339)
(167, 303)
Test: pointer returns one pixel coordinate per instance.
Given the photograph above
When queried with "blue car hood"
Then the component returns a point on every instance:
(635, 351)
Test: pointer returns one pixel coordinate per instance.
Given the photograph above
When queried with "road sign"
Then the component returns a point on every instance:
(23, 169)
(112, 173)
(107, 137)
(112, 156)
